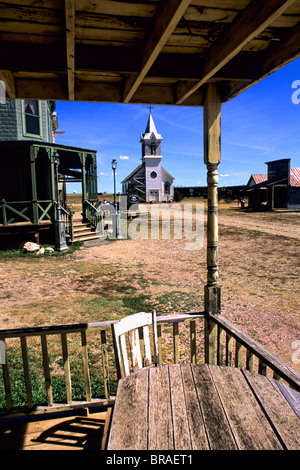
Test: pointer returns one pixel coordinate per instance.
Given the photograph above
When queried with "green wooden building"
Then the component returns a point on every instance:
(31, 178)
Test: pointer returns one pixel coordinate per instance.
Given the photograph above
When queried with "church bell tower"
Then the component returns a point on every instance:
(151, 157)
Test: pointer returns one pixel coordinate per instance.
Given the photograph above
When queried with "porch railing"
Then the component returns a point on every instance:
(67, 217)
(25, 211)
(91, 213)
(59, 355)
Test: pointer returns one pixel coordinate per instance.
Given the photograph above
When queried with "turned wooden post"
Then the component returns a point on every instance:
(212, 158)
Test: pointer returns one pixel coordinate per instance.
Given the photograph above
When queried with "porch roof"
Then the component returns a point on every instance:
(157, 51)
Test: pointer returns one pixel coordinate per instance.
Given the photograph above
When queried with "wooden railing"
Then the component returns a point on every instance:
(26, 211)
(67, 217)
(69, 351)
(56, 360)
(228, 345)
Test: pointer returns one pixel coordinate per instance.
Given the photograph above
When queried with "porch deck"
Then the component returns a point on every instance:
(188, 338)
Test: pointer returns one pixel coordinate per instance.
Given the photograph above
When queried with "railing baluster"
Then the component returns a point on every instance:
(66, 367)
(7, 387)
(105, 364)
(26, 372)
(46, 370)
(238, 354)
(85, 361)
(193, 341)
(159, 341)
(220, 345)
(262, 368)
(249, 360)
(229, 347)
(176, 342)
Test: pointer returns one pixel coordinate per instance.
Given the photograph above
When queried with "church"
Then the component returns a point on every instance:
(150, 181)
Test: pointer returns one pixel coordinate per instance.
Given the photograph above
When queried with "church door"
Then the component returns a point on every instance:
(154, 195)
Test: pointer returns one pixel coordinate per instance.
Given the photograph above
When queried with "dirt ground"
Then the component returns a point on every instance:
(258, 268)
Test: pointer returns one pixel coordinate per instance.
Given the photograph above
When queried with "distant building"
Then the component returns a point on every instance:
(28, 120)
(150, 181)
(278, 189)
(31, 162)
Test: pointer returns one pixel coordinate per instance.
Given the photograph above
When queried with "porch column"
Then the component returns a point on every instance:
(212, 158)
(35, 213)
(83, 159)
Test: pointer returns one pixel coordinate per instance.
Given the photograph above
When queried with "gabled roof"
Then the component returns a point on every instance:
(295, 177)
(168, 173)
(128, 178)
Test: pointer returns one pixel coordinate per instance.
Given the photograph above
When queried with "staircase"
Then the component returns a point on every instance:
(83, 231)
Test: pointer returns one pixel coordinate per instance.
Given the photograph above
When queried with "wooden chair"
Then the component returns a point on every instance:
(132, 326)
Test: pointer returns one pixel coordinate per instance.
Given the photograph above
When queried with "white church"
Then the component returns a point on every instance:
(150, 181)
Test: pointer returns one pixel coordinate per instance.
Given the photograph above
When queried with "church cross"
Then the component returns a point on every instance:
(150, 107)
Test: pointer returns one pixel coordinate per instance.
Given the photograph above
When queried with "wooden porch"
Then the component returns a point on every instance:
(165, 52)
(193, 338)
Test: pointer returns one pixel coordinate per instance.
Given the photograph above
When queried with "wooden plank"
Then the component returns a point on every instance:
(7, 386)
(160, 435)
(46, 370)
(85, 362)
(175, 343)
(70, 46)
(281, 415)
(10, 86)
(193, 346)
(66, 367)
(26, 372)
(251, 429)
(197, 431)
(105, 363)
(229, 347)
(218, 431)
(167, 16)
(130, 417)
(179, 411)
(135, 350)
(251, 22)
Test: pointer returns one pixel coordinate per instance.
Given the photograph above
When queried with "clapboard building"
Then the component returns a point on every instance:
(150, 181)
(34, 173)
(278, 189)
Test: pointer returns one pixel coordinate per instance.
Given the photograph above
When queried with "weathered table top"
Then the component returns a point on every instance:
(201, 407)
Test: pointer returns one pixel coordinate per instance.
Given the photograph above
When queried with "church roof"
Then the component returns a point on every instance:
(129, 177)
(151, 130)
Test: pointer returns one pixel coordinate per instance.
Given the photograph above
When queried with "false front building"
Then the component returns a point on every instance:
(150, 181)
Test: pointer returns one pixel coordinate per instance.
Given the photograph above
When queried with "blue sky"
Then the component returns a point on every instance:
(260, 125)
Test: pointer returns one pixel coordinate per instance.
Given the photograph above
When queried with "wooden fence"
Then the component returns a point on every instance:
(190, 338)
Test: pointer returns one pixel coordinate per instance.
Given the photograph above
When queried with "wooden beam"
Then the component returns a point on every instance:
(251, 22)
(10, 87)
(168, 14)
(267, 62)
(70, 46)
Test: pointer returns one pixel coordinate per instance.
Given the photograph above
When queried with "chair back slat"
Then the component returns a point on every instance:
(130, 327)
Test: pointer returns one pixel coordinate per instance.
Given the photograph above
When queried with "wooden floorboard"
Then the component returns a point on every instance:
(66, 433)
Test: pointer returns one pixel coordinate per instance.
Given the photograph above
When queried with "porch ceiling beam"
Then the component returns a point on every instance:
(70, 46)
(251, 22)
(168, 14)
(10, 87)
(274, 57)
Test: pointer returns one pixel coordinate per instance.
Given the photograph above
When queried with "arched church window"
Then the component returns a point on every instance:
(153, 149)
(167, 187)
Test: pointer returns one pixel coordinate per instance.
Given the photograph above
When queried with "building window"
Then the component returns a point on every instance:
(167, 188)
(153, 149)
(153, 174)
(32, 118)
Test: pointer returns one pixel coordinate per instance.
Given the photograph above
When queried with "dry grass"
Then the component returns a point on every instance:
(259, 275)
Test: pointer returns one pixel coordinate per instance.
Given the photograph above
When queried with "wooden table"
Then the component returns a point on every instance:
(201, 407)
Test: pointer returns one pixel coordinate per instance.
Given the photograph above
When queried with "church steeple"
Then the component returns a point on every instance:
(151, 140)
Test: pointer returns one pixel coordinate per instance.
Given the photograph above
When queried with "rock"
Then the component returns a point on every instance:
(48, 249)
(31, 247)
(41, 251)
